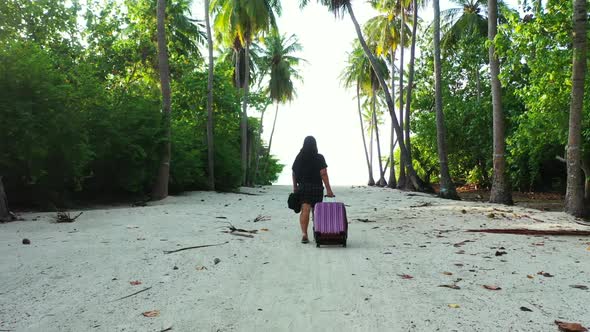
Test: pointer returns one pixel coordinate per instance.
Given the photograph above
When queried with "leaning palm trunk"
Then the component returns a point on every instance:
(574, 197)
(411, 77)
(500, 192)
(244, 116)
(272, 132)
(358, 98)
(160, 189)
(381, 182)
(210, 146)
(388, 99)
(392, 181)
(447, 188)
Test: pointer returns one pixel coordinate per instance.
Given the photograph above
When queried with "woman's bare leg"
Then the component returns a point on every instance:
(304, 218)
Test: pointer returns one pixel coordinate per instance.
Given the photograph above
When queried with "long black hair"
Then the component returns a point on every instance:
(306, 155)
(310, 147)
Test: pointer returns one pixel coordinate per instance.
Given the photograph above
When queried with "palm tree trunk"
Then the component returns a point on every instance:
(411, 77)
(392, 181)
(5, 215)
(381, 182)
(574, 197)
(447, 188)
(403, 182)
(244, 116)
(272, 132)
(372, 135)
(160, 189)
(358, 98)
(501, 192)
(388, 99)
(478, 85)
(210, 145)
(258, 144)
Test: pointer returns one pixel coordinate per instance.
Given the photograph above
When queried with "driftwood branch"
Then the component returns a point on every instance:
(243, 193)
(65, 217)
(239, 234)
(130, 295)
(524, 231)
(194, 247)
(232, 229)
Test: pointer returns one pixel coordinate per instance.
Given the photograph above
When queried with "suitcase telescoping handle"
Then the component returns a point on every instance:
(330, 199)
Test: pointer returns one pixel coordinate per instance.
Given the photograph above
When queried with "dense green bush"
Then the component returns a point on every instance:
(85, 122)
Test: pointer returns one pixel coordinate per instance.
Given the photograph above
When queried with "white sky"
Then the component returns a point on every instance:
(323, 108)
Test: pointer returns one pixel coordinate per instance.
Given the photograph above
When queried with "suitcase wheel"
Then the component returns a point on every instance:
(317, 245)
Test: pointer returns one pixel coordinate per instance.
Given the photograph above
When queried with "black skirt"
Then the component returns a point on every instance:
(311, 193)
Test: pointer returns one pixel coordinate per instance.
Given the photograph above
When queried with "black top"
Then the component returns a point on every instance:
(307, 168)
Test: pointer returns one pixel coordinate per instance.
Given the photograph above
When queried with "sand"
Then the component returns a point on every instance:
(70, 277)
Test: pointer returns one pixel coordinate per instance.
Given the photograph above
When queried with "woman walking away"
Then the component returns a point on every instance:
(309, 170)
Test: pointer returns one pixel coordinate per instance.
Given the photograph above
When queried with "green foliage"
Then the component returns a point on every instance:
(467, 108)
(84, 122)
(537, 61)
(43, 142)
(535, 50)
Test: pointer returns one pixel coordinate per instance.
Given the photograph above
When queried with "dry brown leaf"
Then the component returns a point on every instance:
(530, 276)
(152, 313)
(447, 273)
(200, 268)
(588, 248)
(450, 286)
(570, 327)
(545, 274)
(492, 287)
(135, 282)
(579, 287)
(455, 306)
(406, 276)
(264, 229)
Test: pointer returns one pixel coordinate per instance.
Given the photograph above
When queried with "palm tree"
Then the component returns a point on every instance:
(464, 21)
(277, 60)
(160, 189)
(184, 34)
(500, 192)
(574, 199)
(447, 188)
(239, 22)
(210, 145)
(383, 32)
(355, 73)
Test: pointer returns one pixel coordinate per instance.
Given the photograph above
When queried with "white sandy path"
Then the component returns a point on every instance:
(65, 280)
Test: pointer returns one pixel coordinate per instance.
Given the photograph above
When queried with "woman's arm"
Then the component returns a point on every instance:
(294, 182)
(326, 179)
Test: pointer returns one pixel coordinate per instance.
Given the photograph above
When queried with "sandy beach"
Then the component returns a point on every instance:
(410, 265)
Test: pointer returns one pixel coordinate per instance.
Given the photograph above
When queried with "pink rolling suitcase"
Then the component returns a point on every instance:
(330, 225)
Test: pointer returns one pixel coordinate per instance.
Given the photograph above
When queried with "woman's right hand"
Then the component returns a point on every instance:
(330, 193)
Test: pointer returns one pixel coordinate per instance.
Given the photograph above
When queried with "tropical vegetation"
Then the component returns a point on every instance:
(124, 99)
